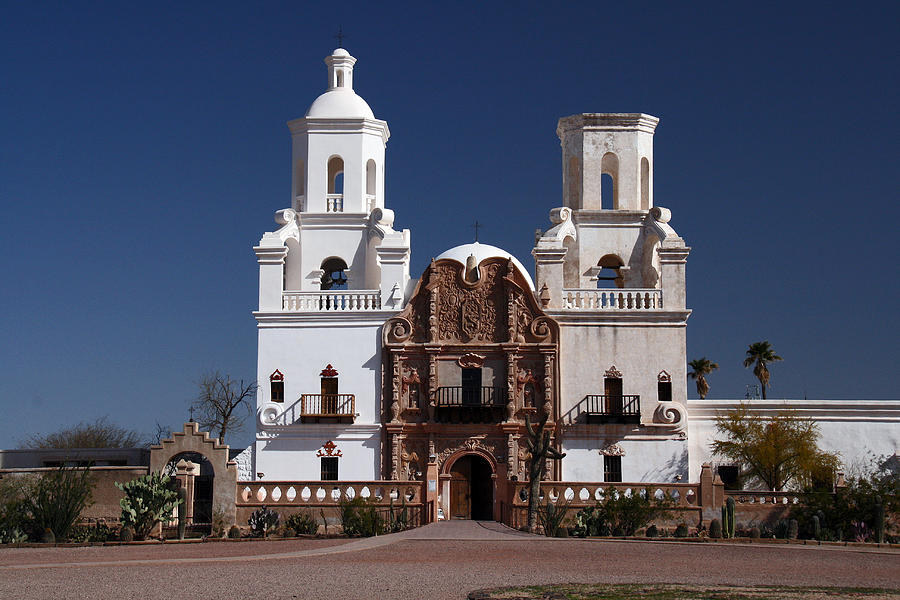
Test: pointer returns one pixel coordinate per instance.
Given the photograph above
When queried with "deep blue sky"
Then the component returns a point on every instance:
(143, 151)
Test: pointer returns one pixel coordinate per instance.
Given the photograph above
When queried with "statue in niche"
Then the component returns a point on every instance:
(527, 387)
(412, 386)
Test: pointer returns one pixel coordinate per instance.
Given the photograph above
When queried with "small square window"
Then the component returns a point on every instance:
(277, 391)
(329, 468)
(612, 468)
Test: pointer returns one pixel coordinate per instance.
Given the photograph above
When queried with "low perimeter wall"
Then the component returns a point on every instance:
(323, 497)
(106, 495)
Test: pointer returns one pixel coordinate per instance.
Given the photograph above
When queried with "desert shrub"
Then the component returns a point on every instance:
(263, 521)
(715, 529)
(681, 531)
(359, 518)
(126, 534)
(302, 523)
(849, 508)
(551, 516)
(618, 514)
(53, 500)
(652, 531)
(99, 532)
(148, 500)
(754, 533)
(234, 532)
(219, 523)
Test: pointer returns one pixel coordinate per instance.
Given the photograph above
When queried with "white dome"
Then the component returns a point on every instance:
(339, 104)
(482, 251)
(340, 52)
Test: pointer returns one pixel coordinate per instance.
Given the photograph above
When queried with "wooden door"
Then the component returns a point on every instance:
(613, 387)
(329, 395)
(460, 497)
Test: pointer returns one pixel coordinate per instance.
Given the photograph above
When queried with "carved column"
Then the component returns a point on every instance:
(512, 454)
(432, 383)
(511, 312)
(511, 370)
(396, 387)
(395, 456)
(548, 385)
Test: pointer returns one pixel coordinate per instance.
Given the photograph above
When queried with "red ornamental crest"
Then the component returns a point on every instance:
(330, 449)
(328, 371)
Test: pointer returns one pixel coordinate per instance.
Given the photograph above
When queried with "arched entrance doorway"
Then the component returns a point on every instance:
(202, 484)
(471, 488)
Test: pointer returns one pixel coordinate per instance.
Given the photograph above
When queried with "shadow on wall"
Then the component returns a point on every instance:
(675, 466)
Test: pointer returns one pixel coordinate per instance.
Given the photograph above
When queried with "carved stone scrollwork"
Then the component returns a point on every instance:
(613, 373)
(671, 413)
(470, 360)
(612, 450)
(454, 446)
(540, 328)
(399, 330)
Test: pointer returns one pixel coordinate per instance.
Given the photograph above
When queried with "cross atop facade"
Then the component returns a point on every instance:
(477, 227)
(339, 36)
(192, 414)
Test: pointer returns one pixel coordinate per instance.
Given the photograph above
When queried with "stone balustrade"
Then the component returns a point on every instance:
(612, 299)
(684, 495)
(745, 497)
(334, 203)
(332, 301)
(308, 494)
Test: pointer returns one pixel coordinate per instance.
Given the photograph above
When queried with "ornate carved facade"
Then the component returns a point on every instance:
(468, 358)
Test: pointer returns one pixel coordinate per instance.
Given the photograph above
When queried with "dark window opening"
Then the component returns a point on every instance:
(334, 276)
(329, 468)
(471, 387)
(730, 476)
(612, 468)
(664, 391)
(414, 395)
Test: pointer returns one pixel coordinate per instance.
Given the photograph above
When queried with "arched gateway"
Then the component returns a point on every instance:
(471, 488)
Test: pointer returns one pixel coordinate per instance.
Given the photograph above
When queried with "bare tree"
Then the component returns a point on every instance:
(99, 434)
(223, 403)
(162, 432)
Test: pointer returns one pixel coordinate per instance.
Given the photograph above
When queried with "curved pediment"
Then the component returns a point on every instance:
(490, 303)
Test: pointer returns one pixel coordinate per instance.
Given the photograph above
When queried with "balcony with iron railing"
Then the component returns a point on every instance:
(612, 408)
(462, 404)
(612, 299)
(327, 408)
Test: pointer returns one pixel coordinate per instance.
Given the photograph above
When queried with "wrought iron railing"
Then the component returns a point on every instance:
(457, 396)
(328, 405)
(613, 408)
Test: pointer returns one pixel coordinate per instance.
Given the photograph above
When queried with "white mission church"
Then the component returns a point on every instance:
(369, 373)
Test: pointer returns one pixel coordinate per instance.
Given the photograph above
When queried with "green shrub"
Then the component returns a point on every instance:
(126, 534)
(754, 533)
(302, 523)
(219, 523)
(148, 500)
(48, 537)
(652, 531)
(551, 515)
(681, 531)
(359, 518)
(234, 533)
(53, 500)
(618, 514)
(82, 534)
(263, 521)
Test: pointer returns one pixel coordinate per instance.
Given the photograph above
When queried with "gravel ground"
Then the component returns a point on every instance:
(442, 561)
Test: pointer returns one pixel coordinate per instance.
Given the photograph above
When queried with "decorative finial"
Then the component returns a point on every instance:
(339, 36)
(192, 415)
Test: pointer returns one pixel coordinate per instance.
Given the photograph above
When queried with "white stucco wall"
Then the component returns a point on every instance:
(857, 429)
(656, 461)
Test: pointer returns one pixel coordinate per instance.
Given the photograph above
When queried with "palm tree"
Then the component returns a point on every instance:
(701, 368)
(761, 353)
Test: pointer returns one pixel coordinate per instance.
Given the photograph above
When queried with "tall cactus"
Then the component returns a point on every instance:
(879, 520)
(540, 449)
(728, 518)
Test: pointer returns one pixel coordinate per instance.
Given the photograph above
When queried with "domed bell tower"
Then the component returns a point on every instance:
(338, 148)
